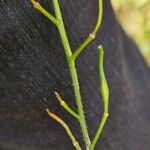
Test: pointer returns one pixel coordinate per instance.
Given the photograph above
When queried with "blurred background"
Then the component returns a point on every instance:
(134, 16)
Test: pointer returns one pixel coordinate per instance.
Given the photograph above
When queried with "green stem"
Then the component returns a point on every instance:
(73, 73)
(62, 30)
(104, 93)
(99, 131)
(82, 121)
(66, 107)
(100, 14)
(93, 34)
(45, 12)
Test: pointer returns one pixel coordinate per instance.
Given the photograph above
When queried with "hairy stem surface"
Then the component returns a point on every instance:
(73, 73)
(71, 57)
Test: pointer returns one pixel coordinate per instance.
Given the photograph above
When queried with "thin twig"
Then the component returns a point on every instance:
(104, 93)
(94, 32)
(45, 12)
(65, 126)
(66, 107)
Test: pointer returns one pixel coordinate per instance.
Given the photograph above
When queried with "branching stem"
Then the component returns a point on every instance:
(93, 34)
(71, 57)
(73, 73)
(66, 107)
(45, 12)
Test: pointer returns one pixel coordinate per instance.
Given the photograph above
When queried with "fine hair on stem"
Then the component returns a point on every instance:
(71, 56)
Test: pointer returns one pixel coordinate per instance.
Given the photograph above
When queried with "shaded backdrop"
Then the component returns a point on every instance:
(33, 66)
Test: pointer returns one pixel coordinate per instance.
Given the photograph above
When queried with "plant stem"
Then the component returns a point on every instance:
(99, 131)
(79, 103)
(45, 12)
(73, 73)
(93, 34)
(74, 141)
(104, 93)
(66, 107)
(71, 57)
